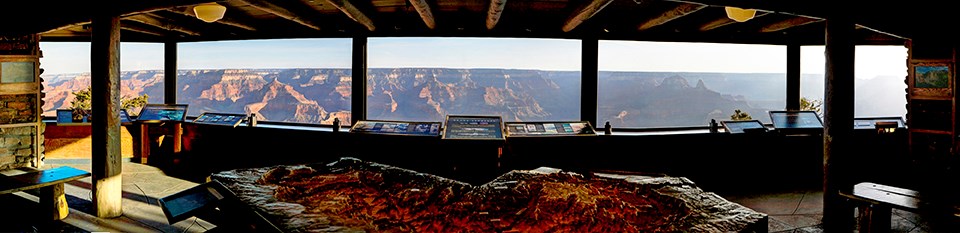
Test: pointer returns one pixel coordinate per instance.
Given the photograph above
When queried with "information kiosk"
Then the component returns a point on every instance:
(476, 144)
(157, 121)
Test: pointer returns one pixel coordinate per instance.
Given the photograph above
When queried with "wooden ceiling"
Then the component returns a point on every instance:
(777, 22)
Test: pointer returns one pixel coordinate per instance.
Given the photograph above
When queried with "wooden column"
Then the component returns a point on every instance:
(589, 79)
(793, 77)
(105, 87)
(838, 123)
(358, 98)
(170, 72)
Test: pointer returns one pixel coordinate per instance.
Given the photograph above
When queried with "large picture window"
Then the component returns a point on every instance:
(879, 85)
(425, 79)
(292, 80)
(666, 84)
(66, 68)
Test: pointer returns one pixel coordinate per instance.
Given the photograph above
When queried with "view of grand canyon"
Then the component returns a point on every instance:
(626, 99)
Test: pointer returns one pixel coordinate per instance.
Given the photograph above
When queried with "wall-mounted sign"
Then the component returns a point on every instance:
(17, 72)
(473, 128)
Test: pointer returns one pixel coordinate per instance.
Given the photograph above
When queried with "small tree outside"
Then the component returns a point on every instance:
(740, 116)
(811, 105)
(81, 105)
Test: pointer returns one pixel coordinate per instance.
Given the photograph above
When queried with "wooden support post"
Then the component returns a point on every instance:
(793, 77)
(589, 80)
(144, 147)
(358, 106)
(54, 201)
(177, 138)
(170, 72)
(838, 123)
(105, 86)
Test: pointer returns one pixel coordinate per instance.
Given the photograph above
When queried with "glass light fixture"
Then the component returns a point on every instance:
(739, 14)
(209, 12)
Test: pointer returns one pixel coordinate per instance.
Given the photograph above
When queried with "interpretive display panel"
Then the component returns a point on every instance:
(473, 128)
(738, 127)
(124, 116)
(397, 128)
(151, 113)
(540, 129)
(796, 121)
(229, 119)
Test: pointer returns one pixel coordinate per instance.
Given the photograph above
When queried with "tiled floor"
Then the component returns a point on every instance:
(790, 211)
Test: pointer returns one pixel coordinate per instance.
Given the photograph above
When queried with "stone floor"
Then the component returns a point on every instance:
(801, 211)
(789, 211)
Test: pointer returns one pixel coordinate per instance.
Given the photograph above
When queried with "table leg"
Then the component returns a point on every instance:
(53, 201)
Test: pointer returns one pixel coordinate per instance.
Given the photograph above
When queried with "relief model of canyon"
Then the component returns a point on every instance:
(318, 95)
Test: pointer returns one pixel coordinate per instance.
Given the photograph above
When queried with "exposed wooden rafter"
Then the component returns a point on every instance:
(188, 11)
(271, 8)
(140, 29)
(680, 10)
(351, 11)
(788, 23)
(724, 21)
(161, 23)
(584, 13)
(493, 14)
(424, 10)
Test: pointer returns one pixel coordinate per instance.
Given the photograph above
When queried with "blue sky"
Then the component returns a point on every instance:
(510, 53)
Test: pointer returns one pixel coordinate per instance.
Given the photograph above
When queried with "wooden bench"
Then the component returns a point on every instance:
(876, 202)
(50, 184)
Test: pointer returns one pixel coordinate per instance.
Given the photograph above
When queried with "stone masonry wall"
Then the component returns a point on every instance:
(19, 103)
(16, 147)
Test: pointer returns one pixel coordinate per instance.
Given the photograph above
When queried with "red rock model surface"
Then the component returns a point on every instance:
(353, 195)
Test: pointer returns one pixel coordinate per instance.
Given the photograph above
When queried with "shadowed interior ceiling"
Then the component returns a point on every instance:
(776, 22)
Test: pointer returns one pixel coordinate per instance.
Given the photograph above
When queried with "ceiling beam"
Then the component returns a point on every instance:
(788, 23)
(680, 10)
(145, 30)
(161, 23)
(585, 13)
(493, 14)
(351, 11)
(188, 11)
(271, 8)
(424, 10)
(142, 31)
(724, 21)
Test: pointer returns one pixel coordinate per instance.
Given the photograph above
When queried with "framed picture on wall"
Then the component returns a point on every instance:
(931, 79)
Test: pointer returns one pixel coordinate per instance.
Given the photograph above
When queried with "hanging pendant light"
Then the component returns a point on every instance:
(209, 12)
(739, 14)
